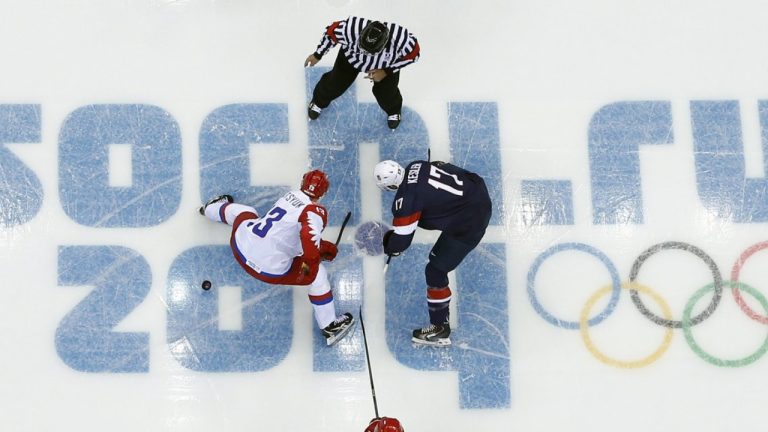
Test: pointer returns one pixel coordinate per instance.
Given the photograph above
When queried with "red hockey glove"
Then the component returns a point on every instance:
(328, 250)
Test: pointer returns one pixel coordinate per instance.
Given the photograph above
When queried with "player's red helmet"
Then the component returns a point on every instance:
(314, 183)
(385, 424)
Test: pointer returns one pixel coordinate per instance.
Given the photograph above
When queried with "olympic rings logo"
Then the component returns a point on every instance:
(686, 323)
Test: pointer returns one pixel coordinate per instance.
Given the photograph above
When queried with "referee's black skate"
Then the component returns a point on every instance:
(227, 198)
(393, 121)
(338, 328)
(313, 111)
(436, 335)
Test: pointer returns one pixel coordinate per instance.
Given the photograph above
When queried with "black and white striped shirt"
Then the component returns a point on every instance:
(401, 50)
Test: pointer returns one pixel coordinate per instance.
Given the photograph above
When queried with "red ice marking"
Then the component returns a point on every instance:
(735, 278)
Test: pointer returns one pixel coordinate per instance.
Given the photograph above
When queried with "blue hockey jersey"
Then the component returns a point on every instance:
(438, 196)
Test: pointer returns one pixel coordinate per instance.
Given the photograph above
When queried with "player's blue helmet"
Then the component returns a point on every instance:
(389, 174)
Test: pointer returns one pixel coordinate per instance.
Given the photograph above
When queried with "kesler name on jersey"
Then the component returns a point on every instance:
(413, 173)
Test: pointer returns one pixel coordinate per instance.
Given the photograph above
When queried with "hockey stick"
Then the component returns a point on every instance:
(305, 267)
(368, 360)
(386, 265)
(343, 224)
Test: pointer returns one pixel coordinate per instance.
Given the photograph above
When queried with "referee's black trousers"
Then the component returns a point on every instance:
(336, 81)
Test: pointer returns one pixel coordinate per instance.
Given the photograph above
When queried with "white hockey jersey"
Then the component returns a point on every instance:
(291, 228)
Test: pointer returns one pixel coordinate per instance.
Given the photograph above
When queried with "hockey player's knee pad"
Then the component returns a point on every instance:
(435, 277)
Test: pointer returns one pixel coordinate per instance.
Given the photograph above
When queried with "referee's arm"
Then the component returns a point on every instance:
(330, 38)
(409, 54)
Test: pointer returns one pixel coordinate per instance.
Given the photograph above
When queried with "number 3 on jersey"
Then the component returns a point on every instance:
(436, 173)
(262, 227)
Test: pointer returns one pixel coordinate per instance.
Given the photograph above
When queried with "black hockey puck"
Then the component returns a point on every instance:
(206, 285)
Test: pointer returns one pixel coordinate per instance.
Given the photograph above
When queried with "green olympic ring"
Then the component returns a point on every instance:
(687, 324)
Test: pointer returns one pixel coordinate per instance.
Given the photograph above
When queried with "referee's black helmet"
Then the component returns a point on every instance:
(374, 37)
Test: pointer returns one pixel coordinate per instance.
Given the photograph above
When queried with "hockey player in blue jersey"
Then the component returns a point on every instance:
(435, 196)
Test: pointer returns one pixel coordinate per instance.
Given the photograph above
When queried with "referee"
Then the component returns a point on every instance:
(378, 49)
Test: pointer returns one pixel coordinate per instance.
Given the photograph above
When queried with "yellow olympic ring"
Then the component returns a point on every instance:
(584, 327)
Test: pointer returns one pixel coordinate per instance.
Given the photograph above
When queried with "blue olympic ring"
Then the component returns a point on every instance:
(574, 325)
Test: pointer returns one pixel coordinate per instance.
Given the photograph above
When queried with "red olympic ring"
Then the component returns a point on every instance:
(735, 278)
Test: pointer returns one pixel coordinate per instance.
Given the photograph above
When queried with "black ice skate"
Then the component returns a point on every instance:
(313, 111)
(393, 121)
(227, 198)
(338, 329)
(436, 335)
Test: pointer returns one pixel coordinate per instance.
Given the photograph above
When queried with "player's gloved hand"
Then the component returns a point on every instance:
(328, 250)
(385, 242)
(305, 270)
(387, 236)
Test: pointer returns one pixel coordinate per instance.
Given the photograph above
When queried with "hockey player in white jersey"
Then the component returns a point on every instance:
(284, 247)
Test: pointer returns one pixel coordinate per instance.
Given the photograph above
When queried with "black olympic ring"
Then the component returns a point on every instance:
(686, 323)
(717, 290)
(718, 283)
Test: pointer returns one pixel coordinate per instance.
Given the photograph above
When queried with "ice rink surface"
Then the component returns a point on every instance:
(621, 285)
